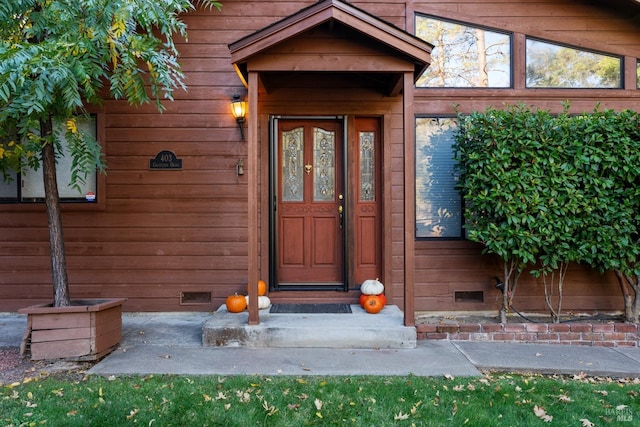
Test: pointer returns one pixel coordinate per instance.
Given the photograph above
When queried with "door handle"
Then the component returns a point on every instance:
(340, 216)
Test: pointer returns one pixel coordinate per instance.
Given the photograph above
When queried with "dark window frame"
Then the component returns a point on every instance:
(509, 34)
(578, 48)
(19, 200)
(462, 234)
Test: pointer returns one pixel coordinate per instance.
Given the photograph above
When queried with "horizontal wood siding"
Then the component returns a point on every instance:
(159, 234)
(446, 267)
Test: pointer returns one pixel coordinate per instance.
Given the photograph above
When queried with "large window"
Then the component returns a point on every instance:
(555, 66)
(464, 56)
(29, 187)
(438, 203)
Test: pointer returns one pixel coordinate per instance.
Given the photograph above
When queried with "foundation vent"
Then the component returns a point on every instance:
(191, 298)
(469, 296)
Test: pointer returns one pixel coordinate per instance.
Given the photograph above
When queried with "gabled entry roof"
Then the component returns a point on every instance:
(333, 36)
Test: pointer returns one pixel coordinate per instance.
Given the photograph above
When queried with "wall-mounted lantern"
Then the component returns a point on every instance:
(239, 111)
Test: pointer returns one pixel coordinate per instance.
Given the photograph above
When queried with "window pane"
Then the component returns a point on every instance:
(9, 189)
(32, 185)
(438, 203)
(292, 169)
(555, 66)
(367, 167)
(324, 165)
(638, 75)
(464, 56)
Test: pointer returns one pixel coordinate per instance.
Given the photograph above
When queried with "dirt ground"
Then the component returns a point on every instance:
(17, 368)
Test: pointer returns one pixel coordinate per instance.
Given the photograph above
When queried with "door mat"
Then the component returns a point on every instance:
(310, 308)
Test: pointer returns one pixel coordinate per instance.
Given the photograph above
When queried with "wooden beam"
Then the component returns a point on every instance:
(630, 73)
(409, 201)
(252, 184)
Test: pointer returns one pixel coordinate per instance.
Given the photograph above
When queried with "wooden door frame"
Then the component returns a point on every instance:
(272, 173)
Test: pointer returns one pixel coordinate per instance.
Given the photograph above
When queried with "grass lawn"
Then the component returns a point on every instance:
(492, 400)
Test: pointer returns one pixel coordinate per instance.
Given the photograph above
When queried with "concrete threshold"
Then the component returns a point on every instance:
(357, 330)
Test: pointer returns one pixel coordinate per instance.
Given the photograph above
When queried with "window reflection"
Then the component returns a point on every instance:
(464, 56)
(555, 66)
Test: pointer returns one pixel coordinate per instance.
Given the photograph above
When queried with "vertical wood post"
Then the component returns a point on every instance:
(409, 200)
(252, 205)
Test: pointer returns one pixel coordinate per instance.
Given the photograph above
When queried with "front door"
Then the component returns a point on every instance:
(309, 204)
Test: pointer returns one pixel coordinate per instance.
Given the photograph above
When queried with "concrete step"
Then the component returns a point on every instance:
(358, 329)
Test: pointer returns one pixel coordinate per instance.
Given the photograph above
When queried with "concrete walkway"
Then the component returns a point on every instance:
(171, 343)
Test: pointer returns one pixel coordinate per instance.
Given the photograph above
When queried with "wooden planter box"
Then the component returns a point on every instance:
(87, 330)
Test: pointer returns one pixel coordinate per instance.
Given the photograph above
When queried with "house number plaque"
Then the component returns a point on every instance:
(165, 160)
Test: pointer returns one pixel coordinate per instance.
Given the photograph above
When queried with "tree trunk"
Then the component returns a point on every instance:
(56, 239)
(630, 288)
(635, 304)
(506, 277)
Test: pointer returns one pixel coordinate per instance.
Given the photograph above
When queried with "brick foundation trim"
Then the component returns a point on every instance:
(605, 335)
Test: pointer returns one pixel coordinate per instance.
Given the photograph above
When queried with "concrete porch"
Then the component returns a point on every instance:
(357, 329)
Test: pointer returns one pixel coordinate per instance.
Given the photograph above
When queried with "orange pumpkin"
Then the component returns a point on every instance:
(236, 303)
(362, 298)
(262, 288)
(384, 299)
(373, 304)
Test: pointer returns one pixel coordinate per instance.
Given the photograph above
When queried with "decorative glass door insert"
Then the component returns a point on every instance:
(309, 211)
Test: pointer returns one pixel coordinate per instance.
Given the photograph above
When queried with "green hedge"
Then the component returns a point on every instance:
(543, 190)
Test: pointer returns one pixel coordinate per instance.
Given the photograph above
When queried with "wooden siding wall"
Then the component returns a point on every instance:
(156, 234)
(446, 267)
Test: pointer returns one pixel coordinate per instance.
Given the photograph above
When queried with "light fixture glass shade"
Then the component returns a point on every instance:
(238, 108)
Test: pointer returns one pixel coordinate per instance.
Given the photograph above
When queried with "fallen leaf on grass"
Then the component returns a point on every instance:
(318, 404)
(586, 423)
(564, 398)
(401, 416)
(580, 376)
(484, 381)
(133, 413)
(542, 414)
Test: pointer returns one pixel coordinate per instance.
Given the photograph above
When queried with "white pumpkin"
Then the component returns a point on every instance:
(263, 301)
(372, 287)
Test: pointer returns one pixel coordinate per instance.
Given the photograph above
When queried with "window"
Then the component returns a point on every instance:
(464, 56)
(438, 203)
(29, 187)
(638, 74)
(554, 66)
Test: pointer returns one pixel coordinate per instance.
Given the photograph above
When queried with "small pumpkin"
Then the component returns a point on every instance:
(262, 288)
(235, 303)
(263, 301)
(362, 298)
(373, 304)
(372, 287)
(383, 297)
